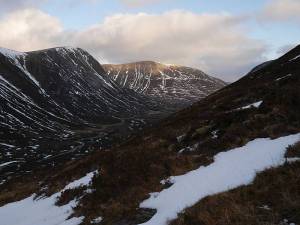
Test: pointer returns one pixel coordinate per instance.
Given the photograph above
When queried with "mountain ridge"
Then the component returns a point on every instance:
(61, 100)
(168, 82)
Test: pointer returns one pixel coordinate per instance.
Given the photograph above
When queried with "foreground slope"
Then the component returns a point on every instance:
(231, 169)
(263, 107)
(178, 84)
(272, 198)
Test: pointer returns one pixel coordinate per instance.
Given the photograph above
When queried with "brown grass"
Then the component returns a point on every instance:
(17, 191)
(293, 151)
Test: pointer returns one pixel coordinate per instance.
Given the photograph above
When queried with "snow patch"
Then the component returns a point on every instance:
(255, 105)
(189, 148)
(230, 170)
(81, 182)
(214, 134)
(180, 138)
(7, 163)
(294, 159)
(43, 211)
(265, 207)
(7, 145)
(10, 53)
(96, 220)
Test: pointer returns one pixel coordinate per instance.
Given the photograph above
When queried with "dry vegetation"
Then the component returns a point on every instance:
(293, 151)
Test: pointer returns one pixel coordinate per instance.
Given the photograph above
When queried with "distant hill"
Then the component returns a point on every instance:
(173, 83)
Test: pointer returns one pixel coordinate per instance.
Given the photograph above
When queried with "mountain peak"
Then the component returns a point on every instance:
(59, 49)
(11, 53)
(147, 63)
(172, 82)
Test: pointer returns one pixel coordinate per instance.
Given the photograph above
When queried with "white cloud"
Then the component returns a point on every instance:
(138, 3)
(282, 10)
(30, 29)
(215, 43)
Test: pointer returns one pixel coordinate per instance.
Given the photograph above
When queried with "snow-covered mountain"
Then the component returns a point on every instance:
(68, 82)
(55, 101)
(174, 83)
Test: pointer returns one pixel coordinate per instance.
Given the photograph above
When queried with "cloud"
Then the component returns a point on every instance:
(139, 3)
(129, 3)
(9, 5)
(282, 10)
(215, 43)
(30, 29)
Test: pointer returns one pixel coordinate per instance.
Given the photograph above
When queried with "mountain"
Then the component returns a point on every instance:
(173, 83)
(59, 103)
(197, 166)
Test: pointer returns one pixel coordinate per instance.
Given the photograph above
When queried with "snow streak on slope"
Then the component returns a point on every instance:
(171, 82)
(58, 104)
(230, 169)
(19, 60)
(66, 82)
(255, 105)
(43, 211)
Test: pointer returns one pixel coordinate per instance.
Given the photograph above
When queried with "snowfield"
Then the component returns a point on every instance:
(229, 170)
(43, 211)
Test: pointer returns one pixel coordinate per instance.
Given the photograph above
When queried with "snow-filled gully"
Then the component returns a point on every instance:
(229, 170)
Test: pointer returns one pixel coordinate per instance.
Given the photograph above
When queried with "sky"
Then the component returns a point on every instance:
(224, 38)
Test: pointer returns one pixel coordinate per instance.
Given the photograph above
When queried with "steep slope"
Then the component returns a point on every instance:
(262, 110)
(170, 82)
(60, 103)
(71, 79)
